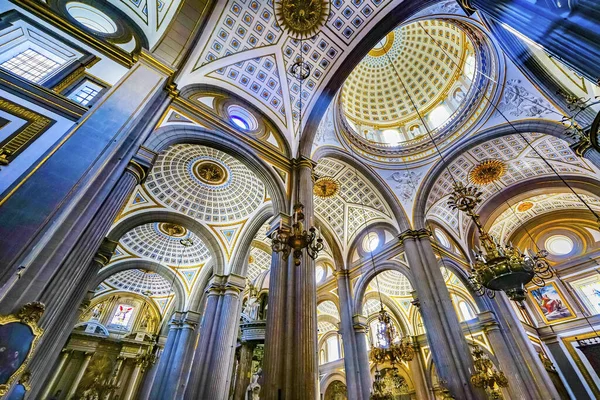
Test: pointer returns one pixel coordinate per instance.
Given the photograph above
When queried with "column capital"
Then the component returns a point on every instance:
(279, 221)
(105, 252)
(359, 322)
(303, 162)
(341, 273)
(226, 284)
(488, 320)
(413, 234)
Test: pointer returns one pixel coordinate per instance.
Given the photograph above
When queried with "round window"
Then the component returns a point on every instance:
(242, 118)
(559, 245)
(91, 17)
(370, 242)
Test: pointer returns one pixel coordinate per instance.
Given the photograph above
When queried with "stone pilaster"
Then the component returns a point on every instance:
(211, 369)
(359, 324)
(555, 29)
(86, 361)
(418, 373)
(518, 359)
(450, 351)
(569, 373)
(351, 360)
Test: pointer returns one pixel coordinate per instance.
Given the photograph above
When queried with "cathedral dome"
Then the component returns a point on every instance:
(421, 76)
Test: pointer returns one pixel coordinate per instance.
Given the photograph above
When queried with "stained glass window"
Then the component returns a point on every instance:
(122, 315)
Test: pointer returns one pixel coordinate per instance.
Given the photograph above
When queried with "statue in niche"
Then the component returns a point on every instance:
(252, 305)
(253, 391)
(97, 311)
(146, 321)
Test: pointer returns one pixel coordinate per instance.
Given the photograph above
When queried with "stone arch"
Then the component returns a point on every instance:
(197, 296)
(404, 323)
(334, 245)
(165, 215)
(328, 379)
(462, 276)
(546, 127)
(167, 136)
(364, 231)
(388, 195)
(239, 258)
(363, 282)
(165, 272)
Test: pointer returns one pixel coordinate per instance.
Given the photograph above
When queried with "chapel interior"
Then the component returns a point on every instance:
(299, 199)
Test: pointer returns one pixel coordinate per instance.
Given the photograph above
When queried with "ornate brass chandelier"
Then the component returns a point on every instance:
(486, 376)
(295, 240)
(498, 267)
(389, 347)
(379, 388)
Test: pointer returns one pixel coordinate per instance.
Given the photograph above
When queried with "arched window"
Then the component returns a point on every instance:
(466, 311)
(333, 348)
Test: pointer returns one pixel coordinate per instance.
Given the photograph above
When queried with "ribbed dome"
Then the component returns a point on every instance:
(429, 56)
(140, 281)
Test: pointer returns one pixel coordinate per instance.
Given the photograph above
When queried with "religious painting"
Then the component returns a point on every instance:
(551, 303)
(19, 334)
(588, 290)
(122, 316)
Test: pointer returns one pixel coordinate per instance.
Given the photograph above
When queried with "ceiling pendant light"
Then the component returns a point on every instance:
(389, 346)
(498, 267)
(486, 377)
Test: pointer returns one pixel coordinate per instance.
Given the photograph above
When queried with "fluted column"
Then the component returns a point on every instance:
(351, 361)
(450, 351)
(359, 323)
(518, 359)
(557, 30)
(211, 370)
(87, 356)
(91, 253)
(165, 358)
(244, 372)
(275, 330)
(58, 371)
(179, 365)
(418, 373)
(292, 371)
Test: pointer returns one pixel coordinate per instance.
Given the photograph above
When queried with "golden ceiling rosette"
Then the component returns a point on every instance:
(487, 172)
(301, 19)
(326, 187)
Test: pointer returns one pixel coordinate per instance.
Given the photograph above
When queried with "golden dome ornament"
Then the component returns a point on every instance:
(487, 172)
(301, 19)
(326, 187)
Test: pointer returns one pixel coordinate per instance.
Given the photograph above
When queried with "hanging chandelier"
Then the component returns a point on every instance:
(379, 388)
(498, 267)
(389, 347)
(486, 376)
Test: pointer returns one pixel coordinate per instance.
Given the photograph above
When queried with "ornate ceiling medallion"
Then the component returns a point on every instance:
(525, 206)
(383, 46)
(326, 187)
(171, 229)
(210, 172)
(301, 19)
(487, 172)
(251, 259)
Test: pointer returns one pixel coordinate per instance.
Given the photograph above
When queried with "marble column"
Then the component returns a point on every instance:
(58, 371)
(87, 356)
(211, 369)
(518, 359)
(291, 359)
(359, 324)
(449, 348)
(417, 370)
(556, 29)
(244, 371)
(165, 357)
(73, 281)
(351, 361)
(176, 374)
(275, 329)
(572, 378)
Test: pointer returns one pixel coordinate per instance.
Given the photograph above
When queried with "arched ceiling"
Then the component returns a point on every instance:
(392, 283)
(372, 94)
(206, 184)
(243, 50)
(511, 219)
(162, 242)
(139, 281)
(356, 204)
(521, 163)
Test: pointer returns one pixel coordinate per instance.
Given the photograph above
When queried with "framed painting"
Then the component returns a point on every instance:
(551, 303)
(588, 291)
(19, 334)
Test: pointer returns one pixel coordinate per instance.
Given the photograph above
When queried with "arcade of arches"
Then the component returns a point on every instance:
(299, 200)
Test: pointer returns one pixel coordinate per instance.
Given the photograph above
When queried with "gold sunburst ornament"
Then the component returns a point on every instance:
(326, 187)
(301, 19)
(487, 172)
